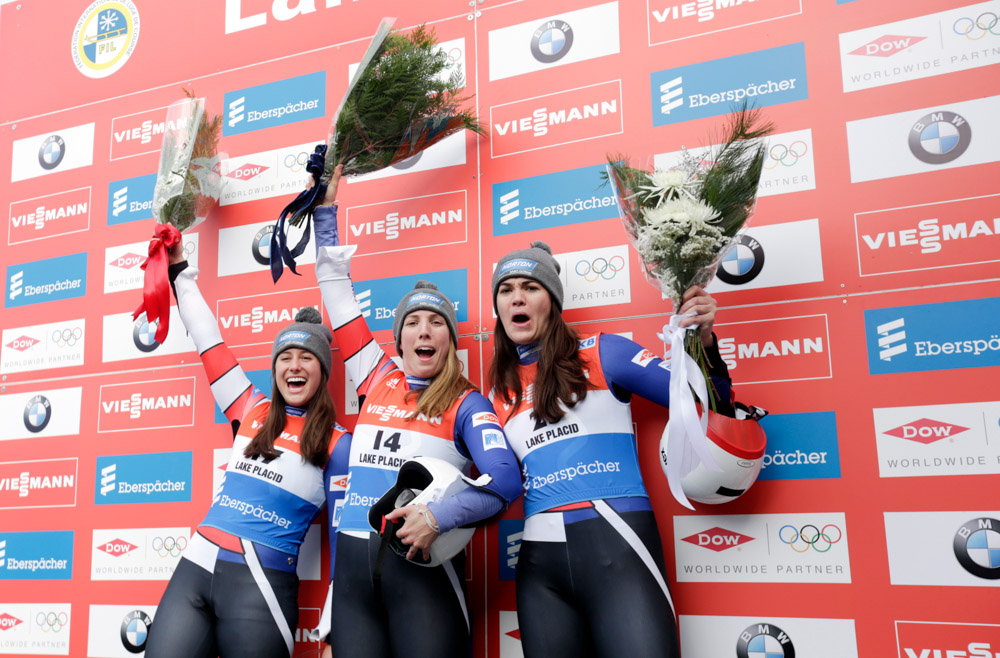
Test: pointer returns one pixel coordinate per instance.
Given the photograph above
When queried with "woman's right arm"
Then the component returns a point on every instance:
(231, 388)
(366, 361)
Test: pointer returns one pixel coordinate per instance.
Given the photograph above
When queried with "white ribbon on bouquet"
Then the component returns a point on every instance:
(684, 444)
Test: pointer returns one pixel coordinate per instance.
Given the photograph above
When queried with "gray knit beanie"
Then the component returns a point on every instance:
(425, 296)
(535, 262)
(308, 333)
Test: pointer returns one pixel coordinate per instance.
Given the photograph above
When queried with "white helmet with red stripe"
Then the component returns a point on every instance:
(737, 445)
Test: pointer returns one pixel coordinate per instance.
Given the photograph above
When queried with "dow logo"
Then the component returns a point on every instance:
(717, 539)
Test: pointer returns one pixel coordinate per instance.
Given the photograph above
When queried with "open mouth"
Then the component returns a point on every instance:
(425, 352)
(295, 384)
(519, 318)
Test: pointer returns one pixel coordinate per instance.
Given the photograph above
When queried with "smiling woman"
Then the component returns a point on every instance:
(235, 590)
(427, 409)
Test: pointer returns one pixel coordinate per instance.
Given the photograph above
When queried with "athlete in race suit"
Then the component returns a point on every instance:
(590, 572)
(235, 590)
(378, 602)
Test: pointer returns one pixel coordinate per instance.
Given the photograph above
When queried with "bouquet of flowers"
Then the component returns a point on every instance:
(188, 186)
(682, 221)
(401, 100)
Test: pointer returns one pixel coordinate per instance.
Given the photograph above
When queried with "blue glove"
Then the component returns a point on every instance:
(325, 226)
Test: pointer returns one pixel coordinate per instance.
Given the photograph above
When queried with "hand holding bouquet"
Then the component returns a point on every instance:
(400, 101)
(188, 185)
(682, 221)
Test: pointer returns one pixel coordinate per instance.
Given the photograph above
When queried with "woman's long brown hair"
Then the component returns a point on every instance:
(560, 375)
(314, 443)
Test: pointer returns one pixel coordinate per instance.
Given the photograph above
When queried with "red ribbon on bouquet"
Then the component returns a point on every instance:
(156, 285)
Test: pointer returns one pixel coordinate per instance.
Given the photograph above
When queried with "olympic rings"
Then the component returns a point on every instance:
(296, 163)
(51, 621)
(601, 268)
(188, 248)
(67, 337)
(966, 32)
(810, 536)
(781, 154)
(169, 546)
(454, 55)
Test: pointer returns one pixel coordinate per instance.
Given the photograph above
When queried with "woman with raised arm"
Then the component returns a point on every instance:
(384, 604)
(235, 590)
(590, 573)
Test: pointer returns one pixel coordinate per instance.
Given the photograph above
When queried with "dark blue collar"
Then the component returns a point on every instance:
(528, 354)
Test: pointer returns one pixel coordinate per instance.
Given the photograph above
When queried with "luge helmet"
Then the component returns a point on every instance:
(423, 480)
(737, 445)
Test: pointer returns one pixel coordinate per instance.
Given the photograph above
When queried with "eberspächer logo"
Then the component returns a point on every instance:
(275, 103)
(919, 338)
(707, 89)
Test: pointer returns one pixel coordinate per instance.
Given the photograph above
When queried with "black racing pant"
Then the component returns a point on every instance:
(222, 613)
(592, 595)
(416, 612)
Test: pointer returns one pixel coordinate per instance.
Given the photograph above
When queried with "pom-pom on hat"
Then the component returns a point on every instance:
(308, 333)
(425, 296)
(535, 262)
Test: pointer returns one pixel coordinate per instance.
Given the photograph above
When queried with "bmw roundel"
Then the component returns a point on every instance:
(143, 333)
(743, 262)
(262, 245)
(51, 152)
(37, 413)
(977, 547)
(763, 640)
(135, 630)
(940, 137)
(551, 41)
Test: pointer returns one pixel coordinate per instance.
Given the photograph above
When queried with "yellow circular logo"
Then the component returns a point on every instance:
(105, 37)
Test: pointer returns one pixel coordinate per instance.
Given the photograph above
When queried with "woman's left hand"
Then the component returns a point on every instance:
(703, 305)
(416, 531)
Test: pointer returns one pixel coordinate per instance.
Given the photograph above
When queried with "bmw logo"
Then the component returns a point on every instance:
(142, 334)
(940, 137)
(551, 41)
(408, 162)
(135, 630)
(977, 547)
(742, 263)
(37, 413)
(764, 641)
(262, 245)
(51, 152)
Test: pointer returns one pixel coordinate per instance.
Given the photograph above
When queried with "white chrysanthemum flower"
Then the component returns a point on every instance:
(682, 211)
(666, 184)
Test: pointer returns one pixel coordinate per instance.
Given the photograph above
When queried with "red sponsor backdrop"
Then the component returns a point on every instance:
(903, 240)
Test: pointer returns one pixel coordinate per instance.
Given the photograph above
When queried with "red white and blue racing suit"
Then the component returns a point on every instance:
(406, 609)
(235, 590)
(590, 572)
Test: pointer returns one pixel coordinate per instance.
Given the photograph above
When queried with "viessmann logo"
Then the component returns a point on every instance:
(275, 103)
(146, 405)
(929, 236)
(558, 118)
(779, 349)
(675, 21)
(38, 483)
(50, 215)
(254, 320)
(142, 132)
(412, 223)
(916, 639)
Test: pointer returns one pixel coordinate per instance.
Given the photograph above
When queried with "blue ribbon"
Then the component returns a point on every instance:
(300, 207)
